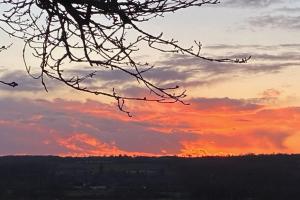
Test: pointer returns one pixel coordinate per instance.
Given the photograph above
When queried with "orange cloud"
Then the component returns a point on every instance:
(223, 126)
(206, 127)
(82, 144)
(227, 126)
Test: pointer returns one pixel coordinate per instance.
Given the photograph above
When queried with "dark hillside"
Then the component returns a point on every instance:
(212, 178)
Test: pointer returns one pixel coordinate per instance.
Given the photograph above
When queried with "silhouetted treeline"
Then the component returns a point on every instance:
(264, 177)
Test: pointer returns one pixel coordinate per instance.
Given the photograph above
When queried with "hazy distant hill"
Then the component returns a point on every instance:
(212, 178)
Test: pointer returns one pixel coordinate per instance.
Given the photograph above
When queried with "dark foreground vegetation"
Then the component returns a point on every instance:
(250, 177)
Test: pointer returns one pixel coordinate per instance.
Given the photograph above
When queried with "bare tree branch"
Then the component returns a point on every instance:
(12, 84)
(96, 32)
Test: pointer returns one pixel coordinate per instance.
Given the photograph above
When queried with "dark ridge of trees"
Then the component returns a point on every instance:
(265, 177)
(95, 32)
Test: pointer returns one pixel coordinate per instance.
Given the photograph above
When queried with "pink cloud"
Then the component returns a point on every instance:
(213, 126)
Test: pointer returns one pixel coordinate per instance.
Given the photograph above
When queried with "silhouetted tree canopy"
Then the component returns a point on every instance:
(95, 32)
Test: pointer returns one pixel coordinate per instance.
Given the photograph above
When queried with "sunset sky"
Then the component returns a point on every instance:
(234, 108)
